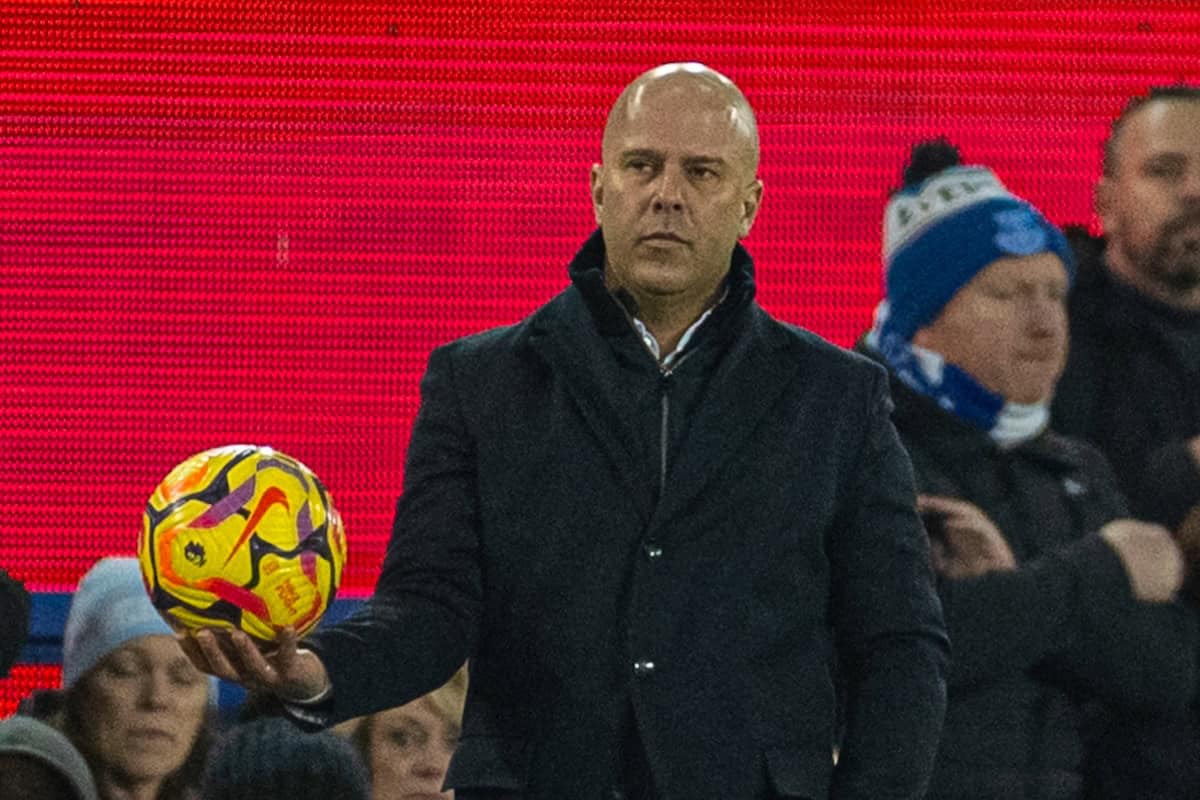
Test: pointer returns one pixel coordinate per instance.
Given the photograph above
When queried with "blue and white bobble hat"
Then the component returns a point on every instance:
(940, 233)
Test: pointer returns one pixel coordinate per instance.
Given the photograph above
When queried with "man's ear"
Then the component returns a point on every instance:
(597, 186)
(750, 205)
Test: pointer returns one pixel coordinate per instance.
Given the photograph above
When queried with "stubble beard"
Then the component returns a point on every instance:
(1173, 260)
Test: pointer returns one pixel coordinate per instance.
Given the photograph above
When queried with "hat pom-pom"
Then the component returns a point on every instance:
(929, 158)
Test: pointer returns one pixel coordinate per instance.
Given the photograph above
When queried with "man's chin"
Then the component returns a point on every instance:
(1183, 274)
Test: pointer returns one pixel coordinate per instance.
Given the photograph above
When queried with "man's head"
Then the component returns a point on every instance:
(1148, 199)
(676, 187)
(977, 275)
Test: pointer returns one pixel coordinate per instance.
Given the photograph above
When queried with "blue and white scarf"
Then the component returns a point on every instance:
(955, 390)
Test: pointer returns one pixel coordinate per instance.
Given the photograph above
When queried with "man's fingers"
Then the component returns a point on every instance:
(285, 651)
(218, 663)
(193, 651)
(254, 665)
(947, 506)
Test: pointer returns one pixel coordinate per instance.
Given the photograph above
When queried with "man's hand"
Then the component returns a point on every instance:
(1151, 558)
(967, 543)
(1188, 537)
(1194, 449)
(285, 671)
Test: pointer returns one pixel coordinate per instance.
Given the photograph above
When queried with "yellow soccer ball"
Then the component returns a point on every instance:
(242, 537)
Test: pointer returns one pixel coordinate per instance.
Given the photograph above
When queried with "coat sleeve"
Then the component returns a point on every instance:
(891, 639)
(421, 623)
(1006, 622)
(1136, 658)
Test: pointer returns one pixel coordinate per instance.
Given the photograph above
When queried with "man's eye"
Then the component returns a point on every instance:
(703, 173)
(1163, 170)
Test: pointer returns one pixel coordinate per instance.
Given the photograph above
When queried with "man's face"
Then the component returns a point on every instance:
(676, 190)
(1150, 204)
(1007, 327)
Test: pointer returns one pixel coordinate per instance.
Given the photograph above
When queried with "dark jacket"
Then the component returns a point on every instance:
(1132, 387)
(1044, 654)
(601, 537)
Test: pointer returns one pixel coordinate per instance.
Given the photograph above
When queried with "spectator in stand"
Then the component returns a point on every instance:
(407, 749)
(39, 763)
(1132, 382)
(1056, 602)
(132, 703)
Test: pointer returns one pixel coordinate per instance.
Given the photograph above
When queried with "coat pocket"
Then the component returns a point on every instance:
(488, 762)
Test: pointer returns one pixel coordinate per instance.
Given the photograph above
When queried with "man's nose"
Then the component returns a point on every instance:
(1189, 189)
(668, 190)
(1045, 315)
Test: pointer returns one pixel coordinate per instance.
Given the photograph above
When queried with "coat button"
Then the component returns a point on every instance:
(643, 668)
(653, 551)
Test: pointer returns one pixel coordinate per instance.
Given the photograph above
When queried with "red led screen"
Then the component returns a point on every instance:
(230, 222)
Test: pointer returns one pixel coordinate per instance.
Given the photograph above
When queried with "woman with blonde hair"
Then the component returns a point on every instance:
(407, 749)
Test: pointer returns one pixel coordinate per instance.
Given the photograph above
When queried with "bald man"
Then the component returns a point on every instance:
(662, 525)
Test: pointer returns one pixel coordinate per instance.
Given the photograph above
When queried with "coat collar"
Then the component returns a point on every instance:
(571, 335)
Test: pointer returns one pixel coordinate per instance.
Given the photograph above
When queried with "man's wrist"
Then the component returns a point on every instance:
(310, 698)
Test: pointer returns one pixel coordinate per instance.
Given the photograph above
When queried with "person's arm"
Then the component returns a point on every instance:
(419, 626)
(891, 639)
(1003, 622)
(1135, 646)
(421, 622)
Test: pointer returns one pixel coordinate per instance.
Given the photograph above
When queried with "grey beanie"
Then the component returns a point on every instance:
(110, 607)
(27, 736)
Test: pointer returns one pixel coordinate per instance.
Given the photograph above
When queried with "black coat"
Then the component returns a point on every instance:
(1132, 387)
(544, 533)
(1048, 655)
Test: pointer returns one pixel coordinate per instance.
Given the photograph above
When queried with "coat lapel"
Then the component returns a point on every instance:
(563, 335)
(747, 383)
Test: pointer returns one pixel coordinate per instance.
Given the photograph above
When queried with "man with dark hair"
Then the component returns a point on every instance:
(14, 620)
(655, 518)
(1132, 383)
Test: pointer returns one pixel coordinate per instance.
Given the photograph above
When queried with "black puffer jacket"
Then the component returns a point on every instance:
(1132, 386)
(1037, 652)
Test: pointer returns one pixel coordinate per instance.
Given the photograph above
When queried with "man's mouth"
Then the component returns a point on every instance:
(664, 236)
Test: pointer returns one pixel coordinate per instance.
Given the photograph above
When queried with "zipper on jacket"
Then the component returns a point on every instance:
(664, 428)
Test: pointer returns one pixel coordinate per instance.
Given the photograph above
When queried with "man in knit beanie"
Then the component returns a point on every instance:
(1058, 605)
(39, 763)
(272, 759)
(942, 229)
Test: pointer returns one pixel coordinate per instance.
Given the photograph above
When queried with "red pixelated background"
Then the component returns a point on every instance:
(229, 222)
